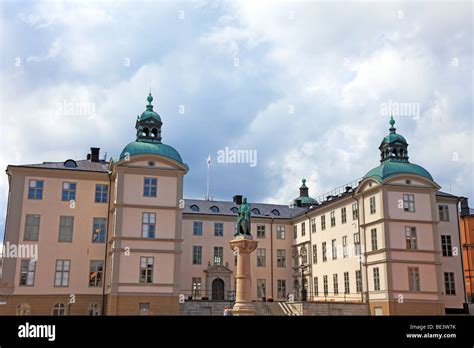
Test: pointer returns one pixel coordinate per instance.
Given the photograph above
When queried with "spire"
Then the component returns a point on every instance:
(149, 124)
(392, 122)
(149, 107)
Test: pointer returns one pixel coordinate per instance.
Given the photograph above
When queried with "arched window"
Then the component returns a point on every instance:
(154, 132)
(145, 132)
(59, 309)
(255, 211)
(194, 207)
(93, 309)
(23, 309)
(235, 210)
(304, 255)
(70, 163)
(214, 209)
(275, 212)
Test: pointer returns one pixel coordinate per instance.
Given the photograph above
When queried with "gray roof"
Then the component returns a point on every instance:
(82, 165)
(444, 194)
(225, 208)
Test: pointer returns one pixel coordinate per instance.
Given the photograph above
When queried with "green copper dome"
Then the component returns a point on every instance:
(394, 158)
(304, 197)
(149, 113)
(389, 168)
(141, 148)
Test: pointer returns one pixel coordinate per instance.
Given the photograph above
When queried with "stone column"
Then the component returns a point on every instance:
(243, 246)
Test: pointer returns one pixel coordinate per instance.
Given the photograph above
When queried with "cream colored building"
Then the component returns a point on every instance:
(118, 238)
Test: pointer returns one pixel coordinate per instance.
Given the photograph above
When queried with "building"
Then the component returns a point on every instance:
(118, 237)
(467, 240)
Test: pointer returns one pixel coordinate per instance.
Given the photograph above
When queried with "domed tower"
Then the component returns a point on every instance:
(304, 200)
(149, 124)
(394, 158)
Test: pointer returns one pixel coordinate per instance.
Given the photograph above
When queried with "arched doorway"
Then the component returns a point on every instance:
(218, 290)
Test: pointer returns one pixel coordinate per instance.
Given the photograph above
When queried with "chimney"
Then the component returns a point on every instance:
(464, 206)
(95, 154)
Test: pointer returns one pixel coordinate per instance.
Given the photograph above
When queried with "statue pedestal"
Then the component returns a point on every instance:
(243, 246)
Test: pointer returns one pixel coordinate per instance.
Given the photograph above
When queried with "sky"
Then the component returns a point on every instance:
(306, 87)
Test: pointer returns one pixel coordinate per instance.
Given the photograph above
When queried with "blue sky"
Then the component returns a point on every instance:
(302, 83)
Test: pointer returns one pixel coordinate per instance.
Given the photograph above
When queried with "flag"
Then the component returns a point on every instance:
(209, 160)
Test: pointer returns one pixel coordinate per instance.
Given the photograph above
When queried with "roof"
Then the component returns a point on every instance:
(82, 165)
(225, 207)
(390, 168)
(390, 138)
(445, 194)
(142, 148)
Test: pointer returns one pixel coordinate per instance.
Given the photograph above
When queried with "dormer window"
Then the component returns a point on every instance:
(255, 211)
(70, 163)
(214, 209)
(194, 207)
(235, 210)
(275, 212)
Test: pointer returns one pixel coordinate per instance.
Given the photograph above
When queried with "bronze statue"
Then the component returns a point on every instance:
(243, 222)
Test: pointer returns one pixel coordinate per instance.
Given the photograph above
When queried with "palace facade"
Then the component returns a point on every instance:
(118, 238)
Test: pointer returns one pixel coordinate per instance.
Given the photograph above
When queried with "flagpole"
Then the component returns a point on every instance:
(208, 166)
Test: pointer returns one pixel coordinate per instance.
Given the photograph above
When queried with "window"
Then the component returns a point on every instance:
(281, 232)
(323, 222)
(196, 286)
(409, 202)
(355, 211)
(218, 229)
(214, 209)
(32, 223)
(304, 255)
(346, 283)
(98, 230)
(281, 288)
(414, 278)
(443, 212)
(295, 231)
(449, 283)
(446, 245)
(93, 309)
(261, 288)
(260, 257)
(324, 252)
(146, 269)
(70, 163)
(410, 238)
(335, 284)
(61, 277)
(144, 308)
(255, 211)
(373, 237)
(35, 189)
(343, 215)
(27, 272)
(260, 231)
(235, 210)
(59, 309)
(148, 225)
(357, 243)
(315, 254)
(275, 212)
(303, 229)
(101, 193)
(197, 254)
(358, 281)
(149, 187)
(66, 224)
(333, 218)
(372, 205)
(281, 258)
(194, 207)
(218, 256)
(315, 286)
(96, 269)
(69, 191)
(197, 228)
(23, 309)
(334, 249)
(325, 285)
(376, 274)
(344, 247)
(313, 225)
